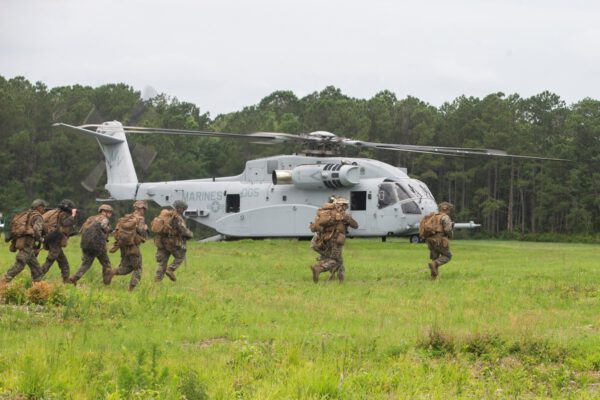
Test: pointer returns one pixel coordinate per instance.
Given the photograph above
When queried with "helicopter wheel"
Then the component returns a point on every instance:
(414, 239)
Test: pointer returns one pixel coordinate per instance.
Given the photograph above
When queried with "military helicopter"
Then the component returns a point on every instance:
(278, 196)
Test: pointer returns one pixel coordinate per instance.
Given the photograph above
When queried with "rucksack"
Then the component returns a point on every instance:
(126, 231)
(93, 238)
(430, 225)
(326, 217)
(19, 225)
(51, 219)
(162, 223)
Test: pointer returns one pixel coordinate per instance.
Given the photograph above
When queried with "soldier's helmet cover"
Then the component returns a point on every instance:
(105, 207)
(180, 205)
(341, 201)
(445, 206)
(66, 203)
(140, 204)
(38, 203)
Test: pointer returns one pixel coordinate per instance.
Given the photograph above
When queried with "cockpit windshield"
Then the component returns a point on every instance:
(387, 195)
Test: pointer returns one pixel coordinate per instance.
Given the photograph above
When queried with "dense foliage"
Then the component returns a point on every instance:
(505, 195)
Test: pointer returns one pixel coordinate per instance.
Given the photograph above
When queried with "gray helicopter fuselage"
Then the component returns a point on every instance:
(278, 197)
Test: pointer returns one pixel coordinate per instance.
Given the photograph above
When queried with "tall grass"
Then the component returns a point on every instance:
(244, 320)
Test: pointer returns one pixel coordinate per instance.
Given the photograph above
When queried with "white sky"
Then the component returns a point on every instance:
(223, 55)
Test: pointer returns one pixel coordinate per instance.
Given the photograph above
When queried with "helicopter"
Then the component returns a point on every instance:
(278, 196)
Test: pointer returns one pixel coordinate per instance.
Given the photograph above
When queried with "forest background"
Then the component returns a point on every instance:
(512, 198)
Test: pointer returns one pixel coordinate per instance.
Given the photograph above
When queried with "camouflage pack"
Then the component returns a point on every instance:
(51, 219)
(19, 225)
(430, 225)
(93, 238)
(326, 217)
(126, 231)
(162, 223)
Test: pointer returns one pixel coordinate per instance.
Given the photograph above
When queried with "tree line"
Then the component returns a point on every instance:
(507, 196)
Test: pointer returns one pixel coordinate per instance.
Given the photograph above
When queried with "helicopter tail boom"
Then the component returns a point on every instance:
(121, 180)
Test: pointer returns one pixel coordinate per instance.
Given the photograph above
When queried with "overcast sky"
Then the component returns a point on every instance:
(223, 55)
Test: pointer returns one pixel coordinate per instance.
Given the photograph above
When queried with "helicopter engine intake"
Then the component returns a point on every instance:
(318, 176)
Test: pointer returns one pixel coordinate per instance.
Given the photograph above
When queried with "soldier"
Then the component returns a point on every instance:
(334, 236)
(131, 231)
(94, 235)
(59, 225)
(27, 228)
(172, 234)
(439, 248)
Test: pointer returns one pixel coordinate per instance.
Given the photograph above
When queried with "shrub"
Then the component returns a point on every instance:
(437, 342)
(13, 293)
(39, 292)
(57, 296)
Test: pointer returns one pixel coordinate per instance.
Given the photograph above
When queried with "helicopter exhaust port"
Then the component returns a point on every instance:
(328, 176)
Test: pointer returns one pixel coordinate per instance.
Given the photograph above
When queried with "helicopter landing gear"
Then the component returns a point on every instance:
(414, 239)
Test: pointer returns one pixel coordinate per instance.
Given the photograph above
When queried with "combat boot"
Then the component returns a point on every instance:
(66, 279)
(316, 270)
(131, 288)
(107, 278)
(434, 269)
(341, 276)
(170, 273)
(73, 280)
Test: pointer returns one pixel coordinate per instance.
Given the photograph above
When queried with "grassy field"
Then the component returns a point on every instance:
(245, 321)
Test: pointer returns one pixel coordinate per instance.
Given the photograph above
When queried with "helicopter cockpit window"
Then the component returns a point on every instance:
(387, 195)
(401, 192)
(416, 192)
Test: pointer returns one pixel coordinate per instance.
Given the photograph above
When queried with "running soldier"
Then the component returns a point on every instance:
(131, 231)
(436, 229)
(333, 228)
(59, 226)
(27, 229)
(94, 235)
(171, 236)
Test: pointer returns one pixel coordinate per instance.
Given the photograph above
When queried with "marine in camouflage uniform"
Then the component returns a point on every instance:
(25, 245)
(87, 258)
(172, 244)
(131, 257)
(438, 244)
(58, 237)
(333, 240)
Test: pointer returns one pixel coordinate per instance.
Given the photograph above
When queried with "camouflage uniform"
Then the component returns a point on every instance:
(63, 231)
(438, 244)
(333, 239)
(131, 257)
(172, 244)
(87, 258)
(25, 245)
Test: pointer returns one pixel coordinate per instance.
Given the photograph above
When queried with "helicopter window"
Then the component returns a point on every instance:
(358, 201)
(411, 208)
(232, 203)
(401, 192)
(386, 195)
(412, 189)
(426, 191)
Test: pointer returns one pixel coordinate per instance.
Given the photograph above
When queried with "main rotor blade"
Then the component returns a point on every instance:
(269, 136)
(91, 181)
(446, 151)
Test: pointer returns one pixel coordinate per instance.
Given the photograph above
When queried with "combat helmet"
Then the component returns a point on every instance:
(445, 206)
(140, 204)
(66, 205)
(105, 207)
(341, 201)
(180, 205)
(38, 203)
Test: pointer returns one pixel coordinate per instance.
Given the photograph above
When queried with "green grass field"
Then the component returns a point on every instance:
(245, 321)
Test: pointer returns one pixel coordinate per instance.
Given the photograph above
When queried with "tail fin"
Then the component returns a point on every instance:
(122, 180)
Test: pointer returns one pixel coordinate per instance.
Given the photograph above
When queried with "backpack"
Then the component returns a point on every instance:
(19, 225)
(162, 223)
(93, 238)
(326, 216)
(430, 225)
(126, 231)
(51, 219)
